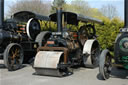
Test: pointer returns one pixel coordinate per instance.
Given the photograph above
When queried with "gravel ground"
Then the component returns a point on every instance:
(81, 76)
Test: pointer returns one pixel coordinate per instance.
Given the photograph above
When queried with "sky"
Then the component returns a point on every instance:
(119, 4)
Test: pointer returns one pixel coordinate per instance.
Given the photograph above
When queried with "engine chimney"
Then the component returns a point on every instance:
(126, 13)
(1, 13)
(59, 20)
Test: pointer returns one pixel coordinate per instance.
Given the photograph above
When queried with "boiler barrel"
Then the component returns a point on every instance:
(6, 37)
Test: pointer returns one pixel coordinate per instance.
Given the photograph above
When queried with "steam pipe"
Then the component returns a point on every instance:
(126, 13)
(59, 20)
(1, 13)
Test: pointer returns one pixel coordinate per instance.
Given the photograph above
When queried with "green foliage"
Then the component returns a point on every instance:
(108, 32)
(48, 25)
(94, 12)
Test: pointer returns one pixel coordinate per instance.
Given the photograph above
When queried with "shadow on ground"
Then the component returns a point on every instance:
(2, 66)
(116, 73)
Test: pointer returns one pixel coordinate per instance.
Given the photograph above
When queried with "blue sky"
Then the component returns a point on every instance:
(119, 4)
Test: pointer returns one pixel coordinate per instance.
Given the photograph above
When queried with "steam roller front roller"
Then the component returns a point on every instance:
(49, 63)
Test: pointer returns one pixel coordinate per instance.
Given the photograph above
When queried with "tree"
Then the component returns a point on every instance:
(109, 11)
(80, 6)
(37, 6)
(57, 4)
(108, 32)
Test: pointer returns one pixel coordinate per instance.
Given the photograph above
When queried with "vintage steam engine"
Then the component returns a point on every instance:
(19, 37)
(66, 48)
(120, 51)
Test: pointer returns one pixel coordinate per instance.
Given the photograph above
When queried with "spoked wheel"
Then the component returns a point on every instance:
(83, 35)
(86, 32)
(13, 56)
(105, 64)
(95, 52)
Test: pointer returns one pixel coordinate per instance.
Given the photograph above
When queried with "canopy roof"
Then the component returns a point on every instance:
(73, 18)
(26, 15)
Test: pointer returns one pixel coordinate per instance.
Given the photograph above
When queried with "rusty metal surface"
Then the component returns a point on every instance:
(62, 49)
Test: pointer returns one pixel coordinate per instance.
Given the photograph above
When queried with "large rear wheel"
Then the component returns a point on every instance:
(13, 56)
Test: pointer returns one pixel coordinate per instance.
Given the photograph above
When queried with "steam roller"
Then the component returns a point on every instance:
(67, 48)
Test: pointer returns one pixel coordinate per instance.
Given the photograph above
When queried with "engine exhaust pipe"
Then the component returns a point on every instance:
(1, 13)
(126, 13)
(59, 20)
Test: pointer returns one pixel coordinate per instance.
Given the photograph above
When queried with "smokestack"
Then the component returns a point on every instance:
(126, 13)
(1, 13)
(59, 20)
